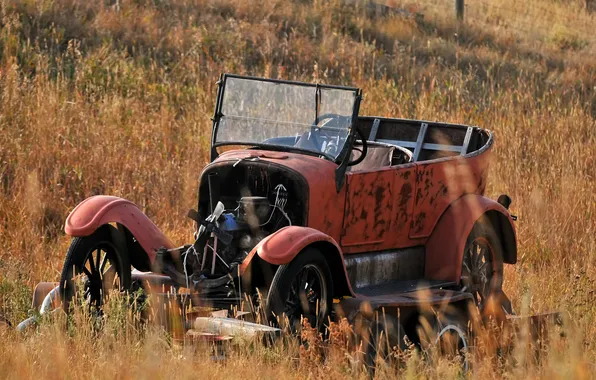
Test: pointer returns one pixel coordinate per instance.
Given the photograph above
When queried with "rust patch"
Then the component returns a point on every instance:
(439, 183)
(367, 215)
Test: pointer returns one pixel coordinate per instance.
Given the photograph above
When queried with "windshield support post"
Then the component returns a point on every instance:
(317, 102)
(340, 172)
(217, 115)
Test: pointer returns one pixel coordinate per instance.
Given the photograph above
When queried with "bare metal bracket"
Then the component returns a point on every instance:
(419, 141)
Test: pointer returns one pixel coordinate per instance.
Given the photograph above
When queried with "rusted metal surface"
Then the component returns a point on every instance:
(386, 199)
(40, 292)
(367, 269)
(445, 247)
(403, 206)
(368, 210)
(417, 299)
(440, 182)
(325, 206)
(283, 245)
(98, 210)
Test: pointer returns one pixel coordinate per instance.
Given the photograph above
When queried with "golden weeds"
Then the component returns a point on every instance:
(115, 98)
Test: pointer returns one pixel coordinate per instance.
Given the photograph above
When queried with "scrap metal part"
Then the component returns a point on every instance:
(49, 292)
(234, 328)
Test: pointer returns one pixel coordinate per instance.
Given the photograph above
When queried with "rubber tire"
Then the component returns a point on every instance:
(483, 228)
(79, 249)
(392, 333)
(283, 278)
(453, 320)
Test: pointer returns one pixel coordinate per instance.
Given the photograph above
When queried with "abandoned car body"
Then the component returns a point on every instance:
(317, 210)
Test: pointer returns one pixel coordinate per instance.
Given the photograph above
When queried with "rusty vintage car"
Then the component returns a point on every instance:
(309, 209)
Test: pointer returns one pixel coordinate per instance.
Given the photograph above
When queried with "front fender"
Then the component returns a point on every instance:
(445, 246)
(282, 246)
(98, 210)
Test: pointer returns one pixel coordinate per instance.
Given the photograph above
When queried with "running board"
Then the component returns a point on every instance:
(406, 302)
(401, 287)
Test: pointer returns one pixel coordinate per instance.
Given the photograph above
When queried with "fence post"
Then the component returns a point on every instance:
(459, 9)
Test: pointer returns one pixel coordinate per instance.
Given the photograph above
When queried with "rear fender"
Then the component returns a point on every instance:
(284, 245)
(98, 210)
(445, 246)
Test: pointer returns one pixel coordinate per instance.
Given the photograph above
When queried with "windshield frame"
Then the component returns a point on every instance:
(218, 114)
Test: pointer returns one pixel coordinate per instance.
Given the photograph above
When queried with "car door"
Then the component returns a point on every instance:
(367, 214)
(378, 210)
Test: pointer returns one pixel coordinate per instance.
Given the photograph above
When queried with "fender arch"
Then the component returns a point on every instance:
(445, 246)
(284, 245)
(98, 210)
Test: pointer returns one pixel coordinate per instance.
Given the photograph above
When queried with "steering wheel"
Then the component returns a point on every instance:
(362, 151)
(317, 131)
(329, 116)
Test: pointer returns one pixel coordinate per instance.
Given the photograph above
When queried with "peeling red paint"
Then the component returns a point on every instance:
(367, 214)
(440, 182)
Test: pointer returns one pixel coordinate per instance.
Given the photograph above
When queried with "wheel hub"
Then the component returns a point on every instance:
(476, 270)
(304, 297)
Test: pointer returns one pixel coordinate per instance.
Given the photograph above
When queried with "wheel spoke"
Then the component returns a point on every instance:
(303, 279)
(476, 277)
(87, 272)
(481, 256)
(98, 258)
(91, 262)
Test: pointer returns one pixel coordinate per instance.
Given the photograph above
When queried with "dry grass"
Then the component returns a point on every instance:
(115, 97)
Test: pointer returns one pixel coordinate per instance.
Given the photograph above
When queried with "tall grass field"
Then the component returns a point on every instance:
(115, 97)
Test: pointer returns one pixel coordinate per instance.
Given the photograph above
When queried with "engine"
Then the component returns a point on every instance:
(254, 218)
(240, 203)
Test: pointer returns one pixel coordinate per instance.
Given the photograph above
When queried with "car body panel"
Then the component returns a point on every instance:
(325, 206)
(445, 247)
(440, 182)
(98, 210)
(282, 246)
(386, 198)
(368, 212)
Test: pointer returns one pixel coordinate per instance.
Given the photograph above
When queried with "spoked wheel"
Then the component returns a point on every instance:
(482, 265)
(301, 288)
(93, 267)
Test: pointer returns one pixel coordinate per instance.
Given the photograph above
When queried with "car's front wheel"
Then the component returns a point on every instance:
(301, 289)
(93, 267)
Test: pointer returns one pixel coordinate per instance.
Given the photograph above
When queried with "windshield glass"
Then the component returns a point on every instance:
(288, 115)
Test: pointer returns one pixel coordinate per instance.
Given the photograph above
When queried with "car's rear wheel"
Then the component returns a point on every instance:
(93, 268)
(482, 265)
(301, 289)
